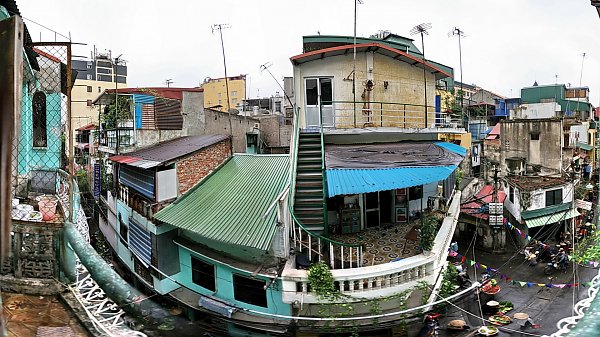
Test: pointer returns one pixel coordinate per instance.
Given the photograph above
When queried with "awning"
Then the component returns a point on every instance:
(354, 181)
(584, 146)
(550, 219)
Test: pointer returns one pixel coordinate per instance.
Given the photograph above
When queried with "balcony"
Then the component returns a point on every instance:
(353, 115)
(380, 279)
(122, 137)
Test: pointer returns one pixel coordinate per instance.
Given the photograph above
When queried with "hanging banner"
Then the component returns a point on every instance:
(583, 204)
(97, 180)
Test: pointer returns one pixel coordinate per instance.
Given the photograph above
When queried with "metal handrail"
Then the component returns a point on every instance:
(293, 189)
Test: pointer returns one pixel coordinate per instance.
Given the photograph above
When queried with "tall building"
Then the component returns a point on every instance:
(215, 92)
(94, 75)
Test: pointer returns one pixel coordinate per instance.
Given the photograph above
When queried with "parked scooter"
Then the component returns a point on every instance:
(431, 325)
(558, 263)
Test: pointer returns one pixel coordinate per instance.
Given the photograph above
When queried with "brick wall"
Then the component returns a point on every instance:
(191, 169)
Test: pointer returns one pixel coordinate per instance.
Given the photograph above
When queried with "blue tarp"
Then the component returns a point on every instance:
(453, 148)
(354, 181)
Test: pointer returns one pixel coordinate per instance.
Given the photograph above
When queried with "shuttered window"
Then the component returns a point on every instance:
(140, 241)
(142, 181)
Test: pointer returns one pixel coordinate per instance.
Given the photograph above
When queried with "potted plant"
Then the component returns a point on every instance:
(427, 233)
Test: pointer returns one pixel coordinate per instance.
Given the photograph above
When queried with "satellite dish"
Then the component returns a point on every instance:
(234, 111)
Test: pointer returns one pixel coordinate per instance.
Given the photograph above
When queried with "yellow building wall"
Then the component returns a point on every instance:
(403, 97)
(463, 139)
(81, 113)
(215, 92)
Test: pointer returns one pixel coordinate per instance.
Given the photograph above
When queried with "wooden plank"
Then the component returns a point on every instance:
(11, 79)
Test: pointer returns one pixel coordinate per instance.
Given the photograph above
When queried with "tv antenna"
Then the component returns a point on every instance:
(220, 27)
(422, 29)
(266, 67)
(168, 82)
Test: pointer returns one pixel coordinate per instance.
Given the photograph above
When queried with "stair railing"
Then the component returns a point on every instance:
(348, 255)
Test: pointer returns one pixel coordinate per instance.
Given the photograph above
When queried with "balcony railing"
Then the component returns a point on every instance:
(384, 279)
(138, 203)
(123, 137)
(347, 114)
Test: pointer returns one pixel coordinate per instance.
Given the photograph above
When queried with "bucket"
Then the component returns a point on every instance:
(47, 208)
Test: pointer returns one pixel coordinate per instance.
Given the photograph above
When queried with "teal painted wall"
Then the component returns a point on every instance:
(247, 254)
(30, 158)
(536, 94)
(224, 284)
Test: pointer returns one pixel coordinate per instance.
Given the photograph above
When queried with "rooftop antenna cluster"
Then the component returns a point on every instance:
(422, 29)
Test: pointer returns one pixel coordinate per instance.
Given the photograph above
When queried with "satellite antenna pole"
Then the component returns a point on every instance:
(580, 78)
(266, 67)
(220, 27)
(460, 33)
(168, 82)
(422, 30)
(356, 2)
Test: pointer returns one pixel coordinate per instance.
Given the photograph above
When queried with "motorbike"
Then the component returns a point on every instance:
(463, 279)
(553, 267)
(431, 325)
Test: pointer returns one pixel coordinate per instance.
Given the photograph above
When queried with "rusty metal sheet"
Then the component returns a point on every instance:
(168, 114)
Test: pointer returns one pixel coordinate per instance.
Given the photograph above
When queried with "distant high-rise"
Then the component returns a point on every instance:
(94, 75)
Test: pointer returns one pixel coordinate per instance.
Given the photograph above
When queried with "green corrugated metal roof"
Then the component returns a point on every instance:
(229, 205)
(545, 211)
(550, 219)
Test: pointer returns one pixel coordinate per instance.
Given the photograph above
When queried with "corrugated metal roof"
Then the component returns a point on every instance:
(167, 151)
(453, 148)
(546, 211)
(584, 146)
(474, 206)
(353, 181)
(167, 113)
(229, 205)
(550, 219)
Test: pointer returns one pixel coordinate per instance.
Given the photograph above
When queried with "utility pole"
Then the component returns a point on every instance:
(580, 78)
(115, 64)
(460, 33)
(422, 30)
(356, 2)
(220, 27)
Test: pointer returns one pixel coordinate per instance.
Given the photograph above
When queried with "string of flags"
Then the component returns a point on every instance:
(509, 280)
(522, 234)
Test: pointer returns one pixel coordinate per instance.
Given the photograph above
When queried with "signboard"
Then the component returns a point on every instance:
(583, 204)
(496, 207)
(496, 220)
(97, 180)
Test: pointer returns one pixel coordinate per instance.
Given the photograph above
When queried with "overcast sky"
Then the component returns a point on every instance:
(509, 43)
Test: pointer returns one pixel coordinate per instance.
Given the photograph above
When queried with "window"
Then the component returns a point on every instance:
(249, 290)
(234, 93)
(554, 197)
(89, 65)
(89, 88)
(203, 274)
(415, 192)
(122, 231)
(88, 76)
(234, 100)
(99, 89)
(219, 95)
(40, 137)
(535, 136)
(89, 102)
(277, 106)
(511, 194)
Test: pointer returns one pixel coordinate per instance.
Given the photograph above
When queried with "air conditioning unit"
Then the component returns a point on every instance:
(256, 125)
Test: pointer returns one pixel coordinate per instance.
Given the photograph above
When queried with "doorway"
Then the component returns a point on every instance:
(378, 208)
(319, 98)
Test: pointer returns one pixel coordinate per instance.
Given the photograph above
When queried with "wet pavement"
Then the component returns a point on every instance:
(28, 316)
(546, 306)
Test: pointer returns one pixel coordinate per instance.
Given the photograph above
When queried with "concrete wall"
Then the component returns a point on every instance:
(405, 84)
(218, 123)
(515, 141)
(192, 169)
(192, 109)
(532, 200)
(273, 132)
(579, 133)
(537, 110)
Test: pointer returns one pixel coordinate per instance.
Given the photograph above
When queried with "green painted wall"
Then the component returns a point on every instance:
(536, 94)
(224, 285)
(30, 158)
(247, 254)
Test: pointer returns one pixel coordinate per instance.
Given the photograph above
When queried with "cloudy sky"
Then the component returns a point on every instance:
(509, 43)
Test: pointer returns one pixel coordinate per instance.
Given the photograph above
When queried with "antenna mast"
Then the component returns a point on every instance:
(220, 27)
(422, 29)
(460, 33)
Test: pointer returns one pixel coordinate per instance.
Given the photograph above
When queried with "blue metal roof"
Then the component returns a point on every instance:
(353, 181)
(453, 147)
